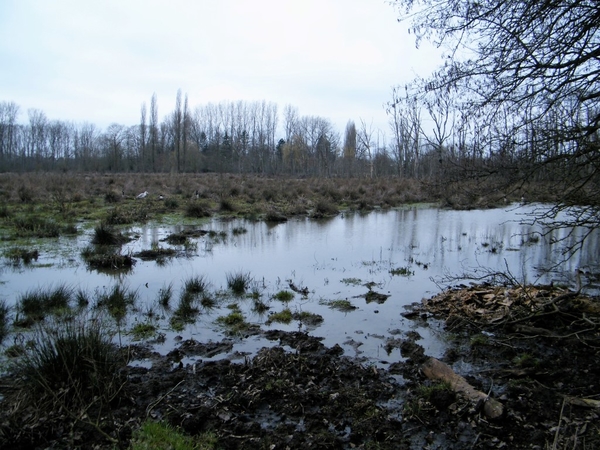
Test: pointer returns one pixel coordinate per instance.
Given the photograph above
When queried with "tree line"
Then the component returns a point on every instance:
(427, 136)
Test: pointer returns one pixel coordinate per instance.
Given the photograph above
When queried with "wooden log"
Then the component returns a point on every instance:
(435, 369)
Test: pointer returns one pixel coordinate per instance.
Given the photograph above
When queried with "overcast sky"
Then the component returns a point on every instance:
(97, 61)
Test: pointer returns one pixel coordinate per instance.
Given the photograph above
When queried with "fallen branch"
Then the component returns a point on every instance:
(435, 369)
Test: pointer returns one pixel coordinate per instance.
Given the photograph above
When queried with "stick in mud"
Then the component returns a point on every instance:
(435, 369)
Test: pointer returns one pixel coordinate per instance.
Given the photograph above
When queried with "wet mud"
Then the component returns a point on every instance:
(298, 393)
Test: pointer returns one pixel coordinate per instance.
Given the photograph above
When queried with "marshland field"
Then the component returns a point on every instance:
(229, 311)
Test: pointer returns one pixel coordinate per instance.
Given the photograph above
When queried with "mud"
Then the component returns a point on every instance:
(301, 394)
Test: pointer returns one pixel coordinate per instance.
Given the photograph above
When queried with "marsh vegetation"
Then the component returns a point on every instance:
(180, 297)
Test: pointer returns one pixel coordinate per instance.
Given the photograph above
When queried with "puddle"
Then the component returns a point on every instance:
(399, 255)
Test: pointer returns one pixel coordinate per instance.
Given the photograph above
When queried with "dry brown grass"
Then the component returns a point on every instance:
(87, 195)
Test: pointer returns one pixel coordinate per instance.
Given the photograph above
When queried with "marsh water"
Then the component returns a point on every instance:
(406, 254)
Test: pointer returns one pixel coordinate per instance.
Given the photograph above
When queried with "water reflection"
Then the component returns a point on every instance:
(431, 245)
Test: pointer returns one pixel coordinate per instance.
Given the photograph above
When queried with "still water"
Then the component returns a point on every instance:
(334, 259)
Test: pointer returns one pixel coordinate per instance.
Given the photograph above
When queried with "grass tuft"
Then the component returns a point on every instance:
(35, 305)
(106, 235)
(4, 317)
(152, 435)
(18, 254)
(195, 285)
(284, 296)
(165, 294)
(238, 282)
(72, 365)
(116, 301)
(284, 316)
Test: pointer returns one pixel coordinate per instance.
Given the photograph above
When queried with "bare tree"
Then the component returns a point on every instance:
(9, 112)
(364, 139)
(154, 132)
(539, 63)
(349, 149)
(143, 137)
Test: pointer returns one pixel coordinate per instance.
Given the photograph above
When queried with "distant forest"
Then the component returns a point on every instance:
(254, 137)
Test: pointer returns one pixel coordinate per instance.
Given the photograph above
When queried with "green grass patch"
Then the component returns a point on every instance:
(284, 296)
(526, 360)
(155, 435)
(234, 321)
(156, 253)
(479, 340)
(36, 304)
(239, 230)
(186, 312)
(340, 305)
(34, 226)
(351, 281)
(284, 316)
(142, 331)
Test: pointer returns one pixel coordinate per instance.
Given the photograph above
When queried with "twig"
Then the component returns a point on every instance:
(555, 443)
(151, 406)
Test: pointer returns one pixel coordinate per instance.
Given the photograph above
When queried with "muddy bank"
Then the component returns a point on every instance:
(300, 394)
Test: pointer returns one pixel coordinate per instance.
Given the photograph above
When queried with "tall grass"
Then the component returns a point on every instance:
(116, 301)
(195, 285)
(69, 367)
(4, 317)
(165, 294)
(238, 282)
(106, 235)
(32, 226)
(36, 304)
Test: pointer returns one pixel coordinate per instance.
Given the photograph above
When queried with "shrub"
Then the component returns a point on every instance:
(323, 208)
(112, 197)
(227, 205)
(197, 210)
(171, 203)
